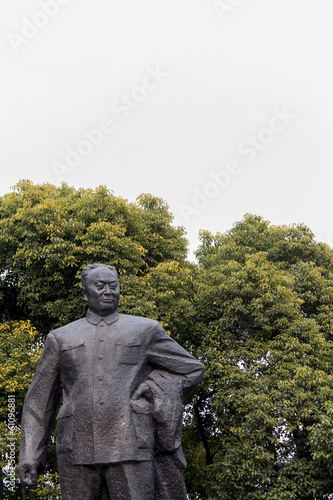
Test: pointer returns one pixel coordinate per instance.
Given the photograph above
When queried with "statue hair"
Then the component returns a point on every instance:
(86, 270)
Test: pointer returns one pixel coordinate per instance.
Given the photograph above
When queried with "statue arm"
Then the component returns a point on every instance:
(165, 354)
(39, 412)
(175, 374)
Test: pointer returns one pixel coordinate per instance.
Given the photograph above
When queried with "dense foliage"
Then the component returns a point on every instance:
(264, 309)
(257, 308)
(47, 235)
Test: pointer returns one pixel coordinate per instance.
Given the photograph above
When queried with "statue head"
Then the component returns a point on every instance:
(100, 288)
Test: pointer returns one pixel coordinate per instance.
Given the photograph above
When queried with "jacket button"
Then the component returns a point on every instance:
(101, 324)
(100, 357)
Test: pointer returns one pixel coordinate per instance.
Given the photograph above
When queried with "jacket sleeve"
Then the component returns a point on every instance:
(41, 404)
(165, 354)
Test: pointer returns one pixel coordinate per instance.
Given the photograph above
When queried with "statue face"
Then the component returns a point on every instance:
(101, 291)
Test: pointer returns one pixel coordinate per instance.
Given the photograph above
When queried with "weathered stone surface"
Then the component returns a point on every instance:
(122, 380)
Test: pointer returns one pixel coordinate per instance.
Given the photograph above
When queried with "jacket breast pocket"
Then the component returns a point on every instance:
(72, 345)
(128, 351)
(73, 353)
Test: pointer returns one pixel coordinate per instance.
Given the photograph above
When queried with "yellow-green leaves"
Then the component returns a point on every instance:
(264, 307)
(20, 350)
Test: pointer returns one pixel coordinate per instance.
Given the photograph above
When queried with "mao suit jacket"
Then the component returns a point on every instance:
(94, 365)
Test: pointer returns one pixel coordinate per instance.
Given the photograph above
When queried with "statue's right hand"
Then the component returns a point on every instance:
(27, 471)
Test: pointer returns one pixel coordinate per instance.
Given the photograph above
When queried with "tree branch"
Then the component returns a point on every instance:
(209, 458)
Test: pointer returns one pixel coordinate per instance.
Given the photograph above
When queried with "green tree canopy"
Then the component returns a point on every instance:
(264, 308)
(257, 308)
(48, 234)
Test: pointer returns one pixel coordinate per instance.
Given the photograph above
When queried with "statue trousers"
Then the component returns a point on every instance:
(158, 480)
(121, 481)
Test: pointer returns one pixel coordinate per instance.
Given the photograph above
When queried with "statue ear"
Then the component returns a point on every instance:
(84, 294)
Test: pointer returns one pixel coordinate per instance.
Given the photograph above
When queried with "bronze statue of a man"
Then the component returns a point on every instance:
(122, 380)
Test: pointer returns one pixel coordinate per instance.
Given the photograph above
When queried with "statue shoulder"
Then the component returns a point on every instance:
(139, 320)
(70, 329)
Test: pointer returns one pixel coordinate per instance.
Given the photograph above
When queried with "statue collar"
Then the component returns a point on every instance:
(94, 319)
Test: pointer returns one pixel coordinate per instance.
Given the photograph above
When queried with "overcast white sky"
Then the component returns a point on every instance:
(220, 108)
